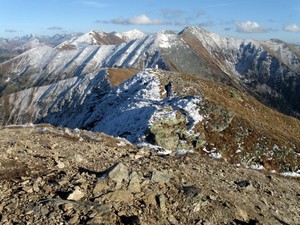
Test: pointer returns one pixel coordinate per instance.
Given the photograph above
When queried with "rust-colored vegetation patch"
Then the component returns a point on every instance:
(67, 47)
(239, 127)
(284, 129)
(118, 76)
(106, 38)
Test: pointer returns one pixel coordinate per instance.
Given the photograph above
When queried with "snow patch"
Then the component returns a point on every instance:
(290, 174)
(257, 167)
(215, 155)
(183, 152)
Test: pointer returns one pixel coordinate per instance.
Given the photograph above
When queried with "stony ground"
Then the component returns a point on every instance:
(59, 176)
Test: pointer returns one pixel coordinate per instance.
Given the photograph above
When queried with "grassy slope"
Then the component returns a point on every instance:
(264, 135)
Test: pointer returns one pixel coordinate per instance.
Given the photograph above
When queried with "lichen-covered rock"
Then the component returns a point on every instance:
(171, 131)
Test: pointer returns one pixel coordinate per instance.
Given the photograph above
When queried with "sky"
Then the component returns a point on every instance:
(246, 19)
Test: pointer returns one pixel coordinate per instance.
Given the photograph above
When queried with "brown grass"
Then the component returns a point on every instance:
(284, 129)
(67, 47)
(254, 126)
(118, 76)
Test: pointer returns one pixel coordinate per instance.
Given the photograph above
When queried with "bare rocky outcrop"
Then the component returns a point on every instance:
(109, 181)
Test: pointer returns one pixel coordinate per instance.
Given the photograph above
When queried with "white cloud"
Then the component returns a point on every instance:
(138, 20)
(295, 28)
(10, 31)
(55, 28)
(250, 27)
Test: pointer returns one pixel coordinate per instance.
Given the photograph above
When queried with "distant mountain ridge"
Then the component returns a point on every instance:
(12, 47)
(268, 70)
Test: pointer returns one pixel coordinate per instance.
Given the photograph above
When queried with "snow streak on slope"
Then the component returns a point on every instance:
(285, 53)
(44, 65)
(66, 98)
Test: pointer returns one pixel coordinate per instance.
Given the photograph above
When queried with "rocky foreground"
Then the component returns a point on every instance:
(59, 176)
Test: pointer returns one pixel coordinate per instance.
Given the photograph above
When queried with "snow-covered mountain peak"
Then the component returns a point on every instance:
(33, 43)
(95, 38)
(130, 35)
(28, 37)
(212, 41)
(165, 39)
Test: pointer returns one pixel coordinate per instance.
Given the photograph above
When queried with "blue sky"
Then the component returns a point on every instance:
(255, 19)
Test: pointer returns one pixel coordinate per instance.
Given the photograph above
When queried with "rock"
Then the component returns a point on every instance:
(245, 185)
(76, 195)
(135, 183)
(106, 218)
(28, 189)
(36, 188)
(164, 131)
(60, 165)
(12, 206)
(161, 177)
(74, 219)
(191, 191)
(47, 189)
(162, 203)
(79, 158)
(197, 207)
(102, 209)
(241, 214)
(118, 173)
(68, 206)
(101, 186)
(119, 196)
(150, 198)
(173, 220)
(38, 182)
(44, 211)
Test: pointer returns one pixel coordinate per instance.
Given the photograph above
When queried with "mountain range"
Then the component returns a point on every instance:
(114, 83)
(268, 70)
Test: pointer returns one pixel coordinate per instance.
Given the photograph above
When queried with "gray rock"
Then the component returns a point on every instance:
(135, 183)
(160, 176)
(101, 186)
(74, 219)
(68, 206)
(28, 189)
(162, 203)
(76, 195)
(118, 173)
(119, 196)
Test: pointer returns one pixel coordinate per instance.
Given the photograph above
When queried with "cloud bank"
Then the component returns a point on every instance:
(294, 28)
(135, 20)
(55, 28)
(250, 27)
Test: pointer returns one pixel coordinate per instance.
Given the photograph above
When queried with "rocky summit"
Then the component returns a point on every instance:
(54, 175)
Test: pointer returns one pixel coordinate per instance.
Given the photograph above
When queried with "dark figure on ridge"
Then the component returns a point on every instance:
(168, 89)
